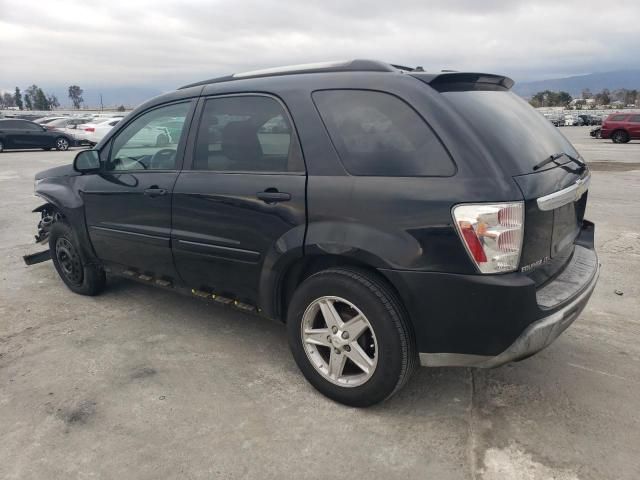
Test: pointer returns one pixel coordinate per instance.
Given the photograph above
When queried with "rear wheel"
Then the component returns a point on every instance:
(620, 136)
(350, 336)
(62, 144)
(75, 271)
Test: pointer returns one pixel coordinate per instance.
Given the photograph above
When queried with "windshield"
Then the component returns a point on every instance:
(513, 130)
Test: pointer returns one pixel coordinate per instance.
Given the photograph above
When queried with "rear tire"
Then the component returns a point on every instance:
(74, 269)
(384, 336)
(620, 136)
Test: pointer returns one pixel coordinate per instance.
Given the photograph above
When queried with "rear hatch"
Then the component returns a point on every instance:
(519, 138)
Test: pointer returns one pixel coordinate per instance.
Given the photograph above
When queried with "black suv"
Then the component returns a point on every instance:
(389, 216)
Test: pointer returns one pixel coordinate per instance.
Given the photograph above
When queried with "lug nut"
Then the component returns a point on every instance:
(334, 329)
(337, 350)
(345, 335)
(347, 348)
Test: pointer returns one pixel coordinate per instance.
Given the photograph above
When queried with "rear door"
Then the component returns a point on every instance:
(128, 204)
(242, 202)
(634, 126)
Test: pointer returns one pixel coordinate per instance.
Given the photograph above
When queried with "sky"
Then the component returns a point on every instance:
(163, 44)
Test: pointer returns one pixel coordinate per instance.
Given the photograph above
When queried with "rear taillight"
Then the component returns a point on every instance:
(492, 234)
(89, 129)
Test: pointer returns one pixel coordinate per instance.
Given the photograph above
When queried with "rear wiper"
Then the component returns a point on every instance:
(556, 156)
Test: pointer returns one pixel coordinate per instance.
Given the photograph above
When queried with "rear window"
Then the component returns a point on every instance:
(512, 130)
(377, 134)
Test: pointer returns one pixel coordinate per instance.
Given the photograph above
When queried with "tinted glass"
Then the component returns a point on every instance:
(635, 118)
(32, 126)
(246, 133)
(378, 134)
(12, 124)
(617, 118)
(146, 144)
(513, 131)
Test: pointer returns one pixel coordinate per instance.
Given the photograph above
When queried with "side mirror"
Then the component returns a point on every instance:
(87, 161)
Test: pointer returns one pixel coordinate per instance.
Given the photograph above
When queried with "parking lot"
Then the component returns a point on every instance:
(142, 383)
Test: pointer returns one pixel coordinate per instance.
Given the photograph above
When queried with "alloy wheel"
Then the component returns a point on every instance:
(62, 144)
(339, 341)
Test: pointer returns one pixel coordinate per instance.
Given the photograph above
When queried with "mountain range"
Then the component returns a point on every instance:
(629, 79)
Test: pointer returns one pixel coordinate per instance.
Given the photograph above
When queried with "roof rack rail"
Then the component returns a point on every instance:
(358, 65)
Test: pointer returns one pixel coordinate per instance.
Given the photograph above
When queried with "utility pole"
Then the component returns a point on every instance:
(101, 106)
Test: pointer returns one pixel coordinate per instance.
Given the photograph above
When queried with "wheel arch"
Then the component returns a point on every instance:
(305, 266)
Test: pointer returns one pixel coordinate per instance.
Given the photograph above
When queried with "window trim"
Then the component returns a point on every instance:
(180, 149)
(384, 92)
(193, 137)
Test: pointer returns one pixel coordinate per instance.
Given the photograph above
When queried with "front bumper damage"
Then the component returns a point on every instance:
(48, 216)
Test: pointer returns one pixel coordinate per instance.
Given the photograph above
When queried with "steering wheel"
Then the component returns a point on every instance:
(127, 161)
(163, 159)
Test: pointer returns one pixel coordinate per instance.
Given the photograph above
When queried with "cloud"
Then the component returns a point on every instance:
(166, 44)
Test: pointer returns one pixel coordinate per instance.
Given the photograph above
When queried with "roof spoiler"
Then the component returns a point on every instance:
(462, 81)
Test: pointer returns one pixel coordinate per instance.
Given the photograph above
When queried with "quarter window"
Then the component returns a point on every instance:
(151, 141)
(246, 133)
(377, 134)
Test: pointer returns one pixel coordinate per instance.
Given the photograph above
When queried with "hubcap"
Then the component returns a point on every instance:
(62, 144)
(339, 341)
(69, 261)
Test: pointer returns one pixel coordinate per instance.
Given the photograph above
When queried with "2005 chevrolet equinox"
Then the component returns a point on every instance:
(389, 216)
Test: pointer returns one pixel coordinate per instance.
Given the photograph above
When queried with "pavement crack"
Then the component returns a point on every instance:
(471, 431)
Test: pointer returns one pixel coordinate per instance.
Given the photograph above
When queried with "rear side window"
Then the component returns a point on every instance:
(248, 133)
(12, 124)
(617, 118)
(32, 126)
(377, 134)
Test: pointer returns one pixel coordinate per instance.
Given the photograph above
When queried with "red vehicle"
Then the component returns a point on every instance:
(621, 127)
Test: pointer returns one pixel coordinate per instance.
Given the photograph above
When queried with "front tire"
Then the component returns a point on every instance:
(74, 269)
(62, 144)
(350, 336)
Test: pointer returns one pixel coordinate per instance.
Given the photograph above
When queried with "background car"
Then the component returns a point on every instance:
(621, 127)
(69, 126)
(94, 132)
(15, 134)
(46, 120)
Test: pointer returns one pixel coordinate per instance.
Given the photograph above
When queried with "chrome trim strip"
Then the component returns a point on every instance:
(536, 336)
(566, 195)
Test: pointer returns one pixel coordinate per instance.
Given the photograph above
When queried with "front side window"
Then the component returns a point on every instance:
(377, 134)
(617, 118)
(151, 141)
(32, 126)
(248, 133)
(635, 118)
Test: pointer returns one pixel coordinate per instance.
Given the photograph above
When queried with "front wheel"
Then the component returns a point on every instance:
(62, 144)
(350, 336)
(75, 271)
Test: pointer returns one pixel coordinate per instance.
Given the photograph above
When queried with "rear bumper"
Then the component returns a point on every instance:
(490, 320)
(537, 336)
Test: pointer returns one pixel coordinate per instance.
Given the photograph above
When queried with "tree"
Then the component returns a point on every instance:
(6, 100)
(121, 108)
(17, 98)
(40, 101)
(30, 95)
(75, 94)
(53, 101)
(550, 99)
(586, 94)
(27, 102)
(604, 97)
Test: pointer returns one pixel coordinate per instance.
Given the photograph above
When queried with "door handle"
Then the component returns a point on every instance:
(155, 192)
(271, 195)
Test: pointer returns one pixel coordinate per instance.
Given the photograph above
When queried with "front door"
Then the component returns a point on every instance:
(128, 204)
(243, 200)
